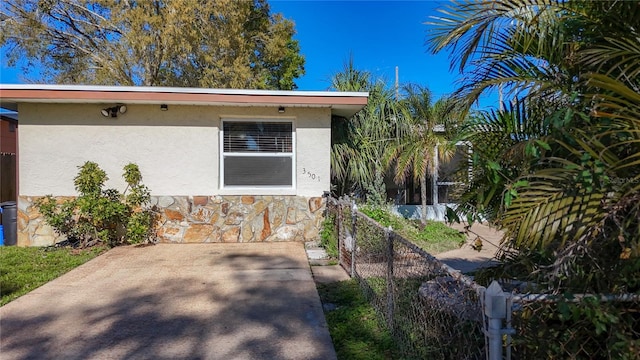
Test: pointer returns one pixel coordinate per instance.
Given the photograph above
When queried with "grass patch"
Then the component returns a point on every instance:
(354, 326)
(434, 238)
(25, 269)
(437, 237)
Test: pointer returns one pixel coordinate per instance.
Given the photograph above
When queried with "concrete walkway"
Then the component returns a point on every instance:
(187, 301)
(327, 274)
(467, 259)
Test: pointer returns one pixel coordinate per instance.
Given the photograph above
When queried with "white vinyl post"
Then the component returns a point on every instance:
(495, 309)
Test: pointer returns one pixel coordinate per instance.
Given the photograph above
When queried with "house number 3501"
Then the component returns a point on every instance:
(311, 175)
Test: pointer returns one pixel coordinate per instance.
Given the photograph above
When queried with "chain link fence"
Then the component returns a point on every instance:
(434, 312)
(431, 310)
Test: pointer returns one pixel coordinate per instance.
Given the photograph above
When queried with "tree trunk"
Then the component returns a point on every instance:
(423, 196)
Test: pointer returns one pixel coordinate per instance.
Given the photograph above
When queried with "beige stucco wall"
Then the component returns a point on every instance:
(177, 150)
(313, 143)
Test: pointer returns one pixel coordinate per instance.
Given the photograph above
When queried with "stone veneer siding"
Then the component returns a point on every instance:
(198, 219)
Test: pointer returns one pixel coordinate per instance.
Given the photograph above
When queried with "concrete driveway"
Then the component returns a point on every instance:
(183, 301)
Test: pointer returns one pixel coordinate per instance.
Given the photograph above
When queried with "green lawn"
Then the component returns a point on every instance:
(24, 269)
(437, 237)
(434, 238)
(354, 326)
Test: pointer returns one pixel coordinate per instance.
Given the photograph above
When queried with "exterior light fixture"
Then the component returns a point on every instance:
(113, 111)
(281, 109)
(164, 107)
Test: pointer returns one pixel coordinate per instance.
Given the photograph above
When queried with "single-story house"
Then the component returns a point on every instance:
(222, 165)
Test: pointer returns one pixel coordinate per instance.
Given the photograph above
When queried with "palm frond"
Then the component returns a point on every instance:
(552, 211)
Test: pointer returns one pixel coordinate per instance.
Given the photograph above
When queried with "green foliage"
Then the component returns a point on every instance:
(90, 179)
(587, 329)
(329, 236)
(140, 226)
(425, 328)
(414, 155)
(557, 168)
(389, 136)
(516, 265)
(435, 237)
(384, 217)
(100, 215)
(354, 326)
(358, 144)
(441, 236)
(376, 192)
(209, 44)
(24, 269)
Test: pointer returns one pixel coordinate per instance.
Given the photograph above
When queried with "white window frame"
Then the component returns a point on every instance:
(257, 189)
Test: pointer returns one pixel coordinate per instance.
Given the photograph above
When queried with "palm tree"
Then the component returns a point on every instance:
(559, 171)
(418, 153)
(358, 144)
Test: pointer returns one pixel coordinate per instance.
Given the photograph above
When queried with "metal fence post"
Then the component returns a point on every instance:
(390, 300)
(354, 245)
(340, 233)
(495, 309)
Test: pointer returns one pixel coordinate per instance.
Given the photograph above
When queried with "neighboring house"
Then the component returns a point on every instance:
(441, 188)
(8, 156)
(8, 132)
(222, 165)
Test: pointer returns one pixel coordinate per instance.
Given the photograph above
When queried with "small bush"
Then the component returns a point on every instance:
(100, 215)
(329, 236)
(383, 216)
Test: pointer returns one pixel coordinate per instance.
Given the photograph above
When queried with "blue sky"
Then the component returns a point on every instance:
(380, 35)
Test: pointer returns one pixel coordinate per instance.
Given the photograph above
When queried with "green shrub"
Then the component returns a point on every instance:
(587, 329)
(384, 217)
(100, 215)
(329, 236)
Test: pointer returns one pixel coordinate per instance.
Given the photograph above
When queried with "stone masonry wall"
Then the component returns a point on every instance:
(198, 219)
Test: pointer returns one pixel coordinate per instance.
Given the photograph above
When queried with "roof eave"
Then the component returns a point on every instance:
(342, 103)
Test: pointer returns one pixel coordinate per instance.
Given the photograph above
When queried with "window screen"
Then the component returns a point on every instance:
(257, 137)
(257, 154)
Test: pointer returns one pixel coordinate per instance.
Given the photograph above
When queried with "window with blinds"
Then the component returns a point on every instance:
(257, 153)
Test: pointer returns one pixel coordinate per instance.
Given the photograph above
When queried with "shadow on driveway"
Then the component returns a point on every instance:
(188, 301)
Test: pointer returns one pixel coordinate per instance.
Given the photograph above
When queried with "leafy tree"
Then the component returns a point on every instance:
(558, 169)
(215, 44)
